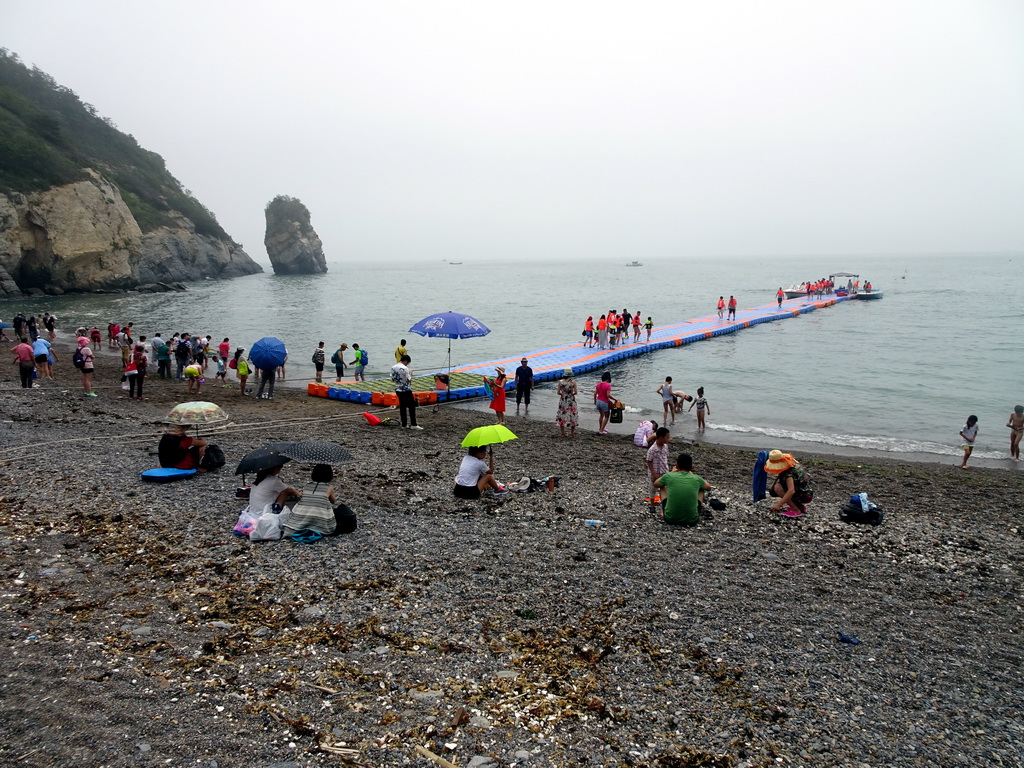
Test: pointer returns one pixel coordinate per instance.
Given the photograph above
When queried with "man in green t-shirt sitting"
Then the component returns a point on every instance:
(683, 490)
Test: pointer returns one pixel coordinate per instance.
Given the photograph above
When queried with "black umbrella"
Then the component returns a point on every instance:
(317, 452)
(267, 457)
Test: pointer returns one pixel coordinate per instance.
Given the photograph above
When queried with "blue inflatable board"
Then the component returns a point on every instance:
(166, 474)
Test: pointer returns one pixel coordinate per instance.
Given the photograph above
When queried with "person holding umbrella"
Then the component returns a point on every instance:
(475, 475)
(268, 488)
(178, 450)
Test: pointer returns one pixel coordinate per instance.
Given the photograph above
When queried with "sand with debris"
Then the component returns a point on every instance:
(140, 631)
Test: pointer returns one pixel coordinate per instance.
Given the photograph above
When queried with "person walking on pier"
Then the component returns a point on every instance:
(781, 294)
(588, 332)
(732, 308)
(636, 327)
(602, 333)
(721, 307)
(649, 326)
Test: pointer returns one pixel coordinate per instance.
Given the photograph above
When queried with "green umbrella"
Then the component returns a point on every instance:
(489, 435)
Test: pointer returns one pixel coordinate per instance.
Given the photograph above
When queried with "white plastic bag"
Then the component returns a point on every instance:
(270, 524)
(246, 522)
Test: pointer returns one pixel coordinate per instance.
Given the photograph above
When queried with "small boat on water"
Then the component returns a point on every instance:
(634, 264)
(874, 293)
(796, 291)
(455, 263)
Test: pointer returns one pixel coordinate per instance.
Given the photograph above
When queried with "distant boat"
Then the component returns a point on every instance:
(634, 264)
(874, 293)
(455, 263)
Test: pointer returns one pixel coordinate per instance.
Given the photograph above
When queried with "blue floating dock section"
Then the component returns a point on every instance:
(548, 364)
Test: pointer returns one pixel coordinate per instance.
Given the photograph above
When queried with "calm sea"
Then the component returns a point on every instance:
(898, 376)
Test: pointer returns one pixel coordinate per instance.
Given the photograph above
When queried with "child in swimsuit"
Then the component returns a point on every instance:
(702, 408)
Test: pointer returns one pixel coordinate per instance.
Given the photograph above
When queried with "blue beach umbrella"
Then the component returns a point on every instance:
(268, 353)
(450, 325)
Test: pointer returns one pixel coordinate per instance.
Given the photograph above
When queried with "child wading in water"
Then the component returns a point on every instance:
(969, 433)
(702, 407)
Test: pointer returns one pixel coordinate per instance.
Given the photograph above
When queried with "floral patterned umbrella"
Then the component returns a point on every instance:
(198, 412)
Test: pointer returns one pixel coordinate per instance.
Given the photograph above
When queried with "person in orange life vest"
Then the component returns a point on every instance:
(602, 333)
(732, 307)
(588, 332)
(636, 326)
(721, 307)
(780, 296)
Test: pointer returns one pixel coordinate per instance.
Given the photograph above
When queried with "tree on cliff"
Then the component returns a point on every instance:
(48, 136)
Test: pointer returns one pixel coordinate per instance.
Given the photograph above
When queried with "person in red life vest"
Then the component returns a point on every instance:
(780, 296)
(732, 307)
(721, 307)
(636, 327)
(588, 332)
(602, 332)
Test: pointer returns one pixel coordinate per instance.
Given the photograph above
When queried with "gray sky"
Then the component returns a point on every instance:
(468, 130)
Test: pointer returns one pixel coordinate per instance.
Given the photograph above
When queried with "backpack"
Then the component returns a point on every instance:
(213, 458)
(364, 359)
(78, 358)
(232, 363)
(318, 357)
(335, 359)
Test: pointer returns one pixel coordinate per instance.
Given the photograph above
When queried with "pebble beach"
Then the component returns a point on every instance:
(501, 632)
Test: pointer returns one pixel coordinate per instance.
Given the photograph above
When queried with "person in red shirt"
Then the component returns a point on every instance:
(721, 307)
(602, 333)
(588, 332)
(732, 307)
(636, 327)
(25, 361)
(780, 296)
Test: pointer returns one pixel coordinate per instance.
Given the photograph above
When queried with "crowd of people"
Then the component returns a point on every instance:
(614, 328)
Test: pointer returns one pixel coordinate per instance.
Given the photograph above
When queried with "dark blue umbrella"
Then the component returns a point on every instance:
(450, 325)
(268, 353)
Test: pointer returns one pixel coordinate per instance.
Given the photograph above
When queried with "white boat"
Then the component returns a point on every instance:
(455, 263)
(796, 291)
(634, 264)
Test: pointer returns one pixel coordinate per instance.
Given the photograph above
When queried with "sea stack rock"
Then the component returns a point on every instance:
(292, 243)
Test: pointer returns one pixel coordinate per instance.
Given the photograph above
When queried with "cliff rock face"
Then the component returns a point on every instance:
(82, 237)
(292, 243)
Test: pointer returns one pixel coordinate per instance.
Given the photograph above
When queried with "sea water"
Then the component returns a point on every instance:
(899, 375)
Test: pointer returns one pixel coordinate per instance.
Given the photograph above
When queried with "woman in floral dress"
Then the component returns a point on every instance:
(567, 413)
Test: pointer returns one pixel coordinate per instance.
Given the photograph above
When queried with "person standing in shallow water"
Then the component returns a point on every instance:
(318, 361)
(968, 435)
(1016, 425)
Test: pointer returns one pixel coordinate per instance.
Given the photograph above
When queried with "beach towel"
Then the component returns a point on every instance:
(760, 480)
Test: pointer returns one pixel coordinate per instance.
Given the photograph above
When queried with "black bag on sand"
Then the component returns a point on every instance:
(345, 520)
(854, 513)
(213, 457)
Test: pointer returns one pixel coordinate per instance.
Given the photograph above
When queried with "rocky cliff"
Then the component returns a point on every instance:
(292, 243)
(82, 237)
